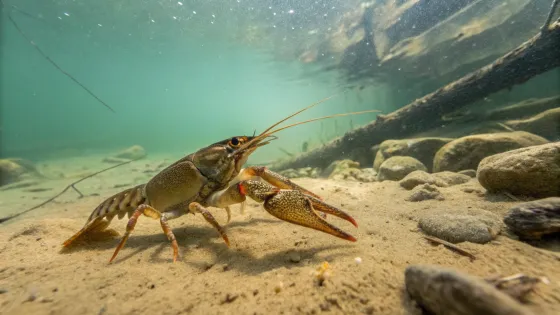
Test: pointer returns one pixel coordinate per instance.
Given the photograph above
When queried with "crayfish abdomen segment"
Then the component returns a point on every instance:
(120, 204)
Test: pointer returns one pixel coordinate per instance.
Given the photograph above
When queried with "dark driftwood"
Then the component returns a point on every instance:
(446, 291)
(536, 56)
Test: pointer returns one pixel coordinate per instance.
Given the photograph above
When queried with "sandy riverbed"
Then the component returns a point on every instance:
(267, 269)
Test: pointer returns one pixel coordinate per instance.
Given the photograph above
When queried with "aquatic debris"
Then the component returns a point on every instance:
(450, 246)
(517, 286)
(531, 220)
(446, 291)
(72, 185)
(322, 273)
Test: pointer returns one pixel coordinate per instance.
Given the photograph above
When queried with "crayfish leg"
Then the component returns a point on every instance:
(154, 214)
(195, 207)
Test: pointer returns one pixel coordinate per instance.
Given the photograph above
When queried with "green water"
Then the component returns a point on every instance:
(175, 85)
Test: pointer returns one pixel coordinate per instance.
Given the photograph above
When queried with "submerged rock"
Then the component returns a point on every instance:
(422, 149)
(14, 169)
(469, 173)
(467, 152)
(441, 179)
(531, 220)
(397, 167)
(365, 175)
(349, 170)
(424, 192)
(338, 167)
(475, 226)
(131, 153)
(300, 172)
(545, 124)
(443, 291)
(533, 171)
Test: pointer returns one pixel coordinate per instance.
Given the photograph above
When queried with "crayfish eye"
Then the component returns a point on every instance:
(234, 141)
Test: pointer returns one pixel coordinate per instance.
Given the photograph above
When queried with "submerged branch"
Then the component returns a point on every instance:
(546, 25)
(4, 219)
(20, 31)
(536, 56)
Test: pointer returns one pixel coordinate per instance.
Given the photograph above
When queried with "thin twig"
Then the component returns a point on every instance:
(450, 246)
(550, 16)
(4, 219)
(509, 195)
(52, 62)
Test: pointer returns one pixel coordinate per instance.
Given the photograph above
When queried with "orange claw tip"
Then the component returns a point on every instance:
(352, 221)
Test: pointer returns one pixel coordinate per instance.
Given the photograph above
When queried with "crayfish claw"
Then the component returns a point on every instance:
(296, 207)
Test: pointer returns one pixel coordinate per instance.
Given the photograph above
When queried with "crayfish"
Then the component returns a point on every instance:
(213, 177)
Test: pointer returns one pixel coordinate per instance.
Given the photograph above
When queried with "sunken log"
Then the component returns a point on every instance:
(536, 56)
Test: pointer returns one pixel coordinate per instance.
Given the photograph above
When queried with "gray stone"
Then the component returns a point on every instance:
(476, 227)
(424, 192)
(467, 152)
(397, 167)
(442, 179)
(532, 171)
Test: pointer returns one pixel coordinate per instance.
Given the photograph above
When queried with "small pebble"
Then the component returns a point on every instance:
(295, 257)
(358, 260)
(278, 288)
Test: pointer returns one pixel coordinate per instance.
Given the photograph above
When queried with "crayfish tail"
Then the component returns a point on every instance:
(120, 204)
(96, 225)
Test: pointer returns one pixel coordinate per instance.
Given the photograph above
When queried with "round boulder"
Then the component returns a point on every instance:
(467, 152)
(397, 167)
(422, 149)
(533, 171)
